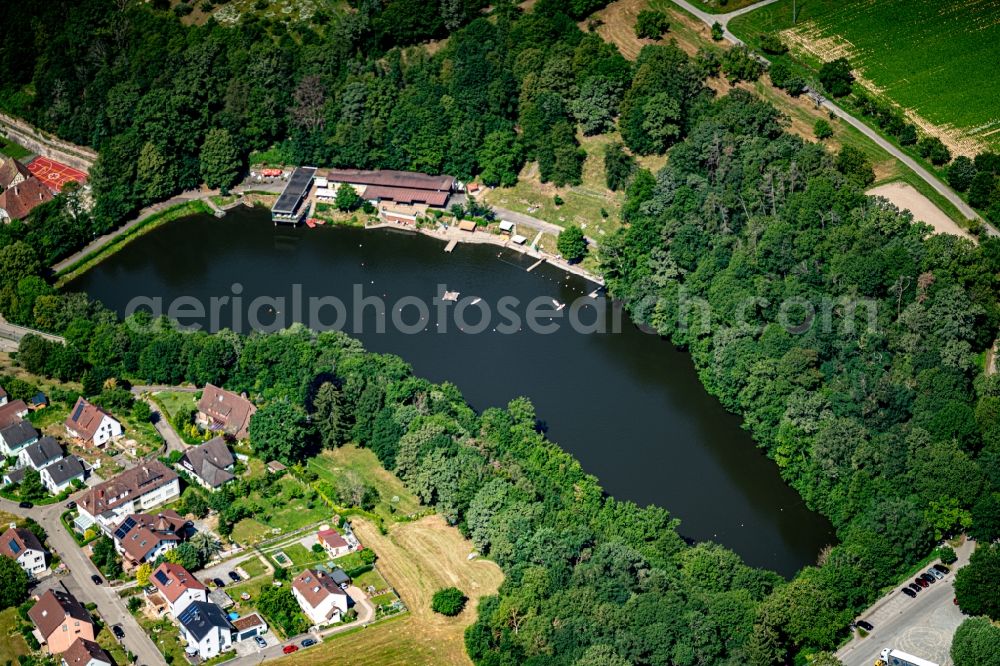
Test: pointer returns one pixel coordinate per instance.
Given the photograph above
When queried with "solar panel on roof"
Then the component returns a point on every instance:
(161, 577)
(78, 410)
(14, 548)
(125, 528)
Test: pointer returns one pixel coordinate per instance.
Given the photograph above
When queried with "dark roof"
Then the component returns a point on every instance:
(39, 399)
(339, 576)
(65, 470)
(82, 651)
(11, 412)
(18, 434)
(389, 178)
(20, 199)
(296, 188)
(15, 475)
(209, 461)
(16, 540)
(201, 617)
(42, 451)
(55, 606)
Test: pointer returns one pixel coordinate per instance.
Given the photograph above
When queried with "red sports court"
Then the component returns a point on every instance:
(55, 174)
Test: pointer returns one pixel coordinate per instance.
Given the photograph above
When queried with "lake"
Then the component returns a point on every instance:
(628, 405)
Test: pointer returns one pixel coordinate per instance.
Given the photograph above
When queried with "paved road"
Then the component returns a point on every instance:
(111, 607)
(14, 333)
(923, 626)
(924, 174)
(533, 222)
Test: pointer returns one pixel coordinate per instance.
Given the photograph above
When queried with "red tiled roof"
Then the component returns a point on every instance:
(315, 586)
(148, 531)
(20, 199)
(85, 418)
(53, 607)
(230, 410)
(22, 539)
(129, 485)
(390, 178)
(405, 195)
(244, 623)
(11, 412)
(82, 651)
(333, 538)
(178, 578)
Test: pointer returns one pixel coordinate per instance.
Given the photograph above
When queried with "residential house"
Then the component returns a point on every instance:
(334, 544)
(320, 597)
(21, 199)
(92, 425)
(42, 453)
(222, 410)
(249, 626)
(17, 436)
(177, 586)
(143, 537)
(12, 172)
(135, 490)
(86, 653)
(21, 545)
(38, 401)
(60, 475)
(211, 464)
(12, 412)
(206, 629)
(60, 619)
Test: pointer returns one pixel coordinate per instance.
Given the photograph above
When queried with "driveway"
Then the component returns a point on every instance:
(110, 606)
(923, 626)
(160, 422)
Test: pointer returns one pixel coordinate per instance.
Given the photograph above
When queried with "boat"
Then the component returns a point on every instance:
(311, 222)
(450, 296)
(476, 302)
(559, 306)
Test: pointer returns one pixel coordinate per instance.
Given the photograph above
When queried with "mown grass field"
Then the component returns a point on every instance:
(418, 558)
(332, 464)
(932, 57)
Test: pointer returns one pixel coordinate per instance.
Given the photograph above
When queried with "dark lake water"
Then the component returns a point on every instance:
(627, 405)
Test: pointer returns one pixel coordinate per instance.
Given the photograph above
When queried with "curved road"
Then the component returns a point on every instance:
(111, 606)
(925, 175)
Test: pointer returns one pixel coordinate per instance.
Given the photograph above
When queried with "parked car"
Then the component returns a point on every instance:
(919, 580)
(26, 504)
(867, 626)
(259, 640)
(219, 582)
(118, 631)
(288, 649)
(929, 578)
(97, 579)
(71, 505)
(914, 587)
(309, 642)
(908, 592)
(942, 568)
(233, 576)
(937, 574)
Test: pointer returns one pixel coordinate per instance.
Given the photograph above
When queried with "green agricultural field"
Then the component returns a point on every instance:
(928, 56)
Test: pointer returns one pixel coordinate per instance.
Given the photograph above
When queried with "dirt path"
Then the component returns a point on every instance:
(906, 197)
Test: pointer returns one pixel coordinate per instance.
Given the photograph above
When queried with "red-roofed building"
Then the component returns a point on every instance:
(86, 653)
(222, 410)
(91, 424)
(143, 537)
(334, 544)
(178, 586)
(320, 598)
(17, 201)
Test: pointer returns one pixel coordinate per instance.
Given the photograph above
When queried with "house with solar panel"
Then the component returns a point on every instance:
(144, 537)
(206, 629)
(148, 485)
(21, 545)
(90, 424)
(176, 586)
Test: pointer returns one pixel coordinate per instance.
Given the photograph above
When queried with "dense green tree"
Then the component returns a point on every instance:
(347, 198)
(836, 77)
(329, 415)
(571, 244)
(220, 159)
(650, 24)
(852, 163)
(975, 583)
(934, 149)
(976, 643)
(282, 431)
(961, 172)
(822, 129)
(448, 601)
(13, 583)
(618, 166)
(500, 159)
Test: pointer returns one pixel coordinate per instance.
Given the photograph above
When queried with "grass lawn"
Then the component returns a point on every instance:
(419, 558)
(254, 567)
(165, 634)
(172, 401)
(908, 51)
(330, 465)
(582, 204)
(302, 557)
(249, 530)
(12, 643)
(11, 149)
(285, 513)
(107, 641)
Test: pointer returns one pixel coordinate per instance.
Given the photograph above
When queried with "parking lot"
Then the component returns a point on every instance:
(923, 626)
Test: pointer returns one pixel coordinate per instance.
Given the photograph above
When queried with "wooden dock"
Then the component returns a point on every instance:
(451, 245)
(536, 264)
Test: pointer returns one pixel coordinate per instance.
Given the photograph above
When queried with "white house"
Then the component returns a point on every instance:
(86, 653)
(61, 474)
(21, 545)
(135, 490)
(249, 626)
(206, 629)
(16, 436)
(143, 537)
(334, 544)
(320, 597)
(41, 454)
(91, 424)
(177, 586)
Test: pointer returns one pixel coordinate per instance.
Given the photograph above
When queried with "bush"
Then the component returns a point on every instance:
(571, 244)
(946, 554)
(651, 24)
(558, 200)
(450, 601)
(183, 9)
(771, 43)
(134, 604)
(717, 32)
(836, 77)
(317, 548)
(822, 129)
(933, 149)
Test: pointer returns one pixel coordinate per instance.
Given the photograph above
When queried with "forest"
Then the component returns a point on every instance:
(849, 338)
